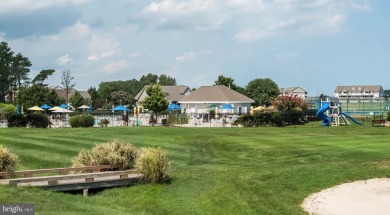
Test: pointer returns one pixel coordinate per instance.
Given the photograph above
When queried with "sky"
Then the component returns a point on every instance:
(316, 45)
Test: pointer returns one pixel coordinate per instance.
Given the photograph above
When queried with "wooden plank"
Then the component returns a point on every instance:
(93, 185)
(68, 177)
(62, 171)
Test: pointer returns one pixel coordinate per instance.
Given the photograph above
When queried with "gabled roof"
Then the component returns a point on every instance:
(358, 88)
(173, 93)
(291, 90)
(215, 94)
(61, 92)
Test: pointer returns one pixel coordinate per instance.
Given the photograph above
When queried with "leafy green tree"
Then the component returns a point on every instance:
(66, 81)
(262, 90)
(76, 100)
(42, 76)
(19, 74)
(165, 80)
(7, 110)
(156, 100)
(148, 79)
(6, 56)
(229, 82)
(107, 88)
(386, 94)
(122, 97)
(37, 95)
(96, 99)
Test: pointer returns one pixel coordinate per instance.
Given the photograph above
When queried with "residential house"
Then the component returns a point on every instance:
(356, 92)
(294, 91)
(61, 92)
(173, 94)
(201, 99)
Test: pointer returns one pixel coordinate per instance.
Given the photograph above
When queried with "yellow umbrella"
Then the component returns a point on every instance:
(251, 111)
(35, 108)
(55, 108)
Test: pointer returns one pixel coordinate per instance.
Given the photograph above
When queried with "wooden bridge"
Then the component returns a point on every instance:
(65, 181)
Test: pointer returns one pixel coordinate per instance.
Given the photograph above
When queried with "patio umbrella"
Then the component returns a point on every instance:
(35, 108)
(64, 106)
(90, 108)
(45, 106)
(227, 107)
(54, 108)
(172, 107)
(213, 106)
(62, 110)
(83, 107)
(120, 108)
(17, 109)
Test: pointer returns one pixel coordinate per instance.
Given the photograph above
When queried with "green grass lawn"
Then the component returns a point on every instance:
(214, 171)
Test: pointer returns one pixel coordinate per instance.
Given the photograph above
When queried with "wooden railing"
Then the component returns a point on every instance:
(60, 171)
(89, 177)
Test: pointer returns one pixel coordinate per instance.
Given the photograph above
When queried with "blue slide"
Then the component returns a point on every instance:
(321, 114)
(351, 118)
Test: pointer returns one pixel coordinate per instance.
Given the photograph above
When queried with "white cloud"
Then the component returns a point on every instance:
(115, 67)
(252, 20)
(102, 46)
(180, 7)
(252, 35)
(102, 55)
(78, 30)
(190, 56)
(13, 5)
(63, 60)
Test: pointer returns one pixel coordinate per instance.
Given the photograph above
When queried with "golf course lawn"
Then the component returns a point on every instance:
(213, 170)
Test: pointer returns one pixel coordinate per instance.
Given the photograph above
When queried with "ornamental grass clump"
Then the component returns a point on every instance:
(116, 153)
(153, 164)
(8, 160)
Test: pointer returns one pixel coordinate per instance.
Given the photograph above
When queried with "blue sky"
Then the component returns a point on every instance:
(315, 44)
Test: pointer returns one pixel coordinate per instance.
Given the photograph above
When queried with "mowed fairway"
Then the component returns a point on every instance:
(214, 171)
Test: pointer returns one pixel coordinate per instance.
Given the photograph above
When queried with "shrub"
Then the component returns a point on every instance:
(38, 120)
(262, 118)
(8, 160)
(116, 153)
(153, 164)
(8, 110)
(177, 119)
(104, 122)
(17, 120)
(388, 116)
(81, 121)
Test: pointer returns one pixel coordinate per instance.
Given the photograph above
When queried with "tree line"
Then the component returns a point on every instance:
(18, 88)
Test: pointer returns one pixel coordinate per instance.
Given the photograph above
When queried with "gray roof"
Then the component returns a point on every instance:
(215, 94)
(373, 88)
(290, 89)
(173, 93)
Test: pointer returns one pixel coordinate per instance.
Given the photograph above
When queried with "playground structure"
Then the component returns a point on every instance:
(331, 114)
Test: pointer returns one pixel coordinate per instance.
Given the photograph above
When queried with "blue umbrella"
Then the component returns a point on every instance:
(45, 106)
(64, 106)
(120, 108)
(90, 108)
(17, 109)
(172, 107)
(227, 107)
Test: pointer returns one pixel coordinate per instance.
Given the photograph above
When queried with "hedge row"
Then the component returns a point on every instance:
(35, 120)
(81, 121)
(271, 118)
